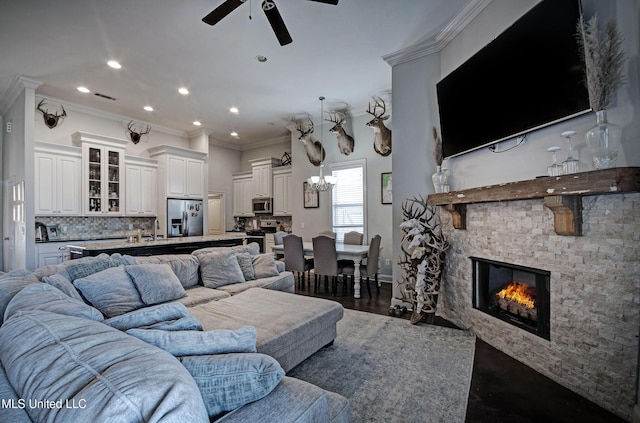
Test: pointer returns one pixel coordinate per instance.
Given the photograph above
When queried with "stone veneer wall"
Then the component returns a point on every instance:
(595, 291)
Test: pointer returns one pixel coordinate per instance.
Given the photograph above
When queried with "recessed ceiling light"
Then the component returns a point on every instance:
(183, 91)
(114, 64)
(234, 110)
(261, 59)
(234, 134)
(197, 123)
(84, 90)
(148, 108)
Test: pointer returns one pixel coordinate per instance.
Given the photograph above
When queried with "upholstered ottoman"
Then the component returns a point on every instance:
(290, 327)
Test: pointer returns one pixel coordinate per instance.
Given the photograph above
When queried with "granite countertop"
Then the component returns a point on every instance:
(150, 242)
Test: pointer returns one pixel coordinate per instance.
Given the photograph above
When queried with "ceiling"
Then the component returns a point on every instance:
(163, 45)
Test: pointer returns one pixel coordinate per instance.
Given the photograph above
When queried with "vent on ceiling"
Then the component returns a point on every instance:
(105, 96)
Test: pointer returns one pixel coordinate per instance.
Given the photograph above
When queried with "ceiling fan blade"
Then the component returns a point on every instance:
(334, 2)
(276, 22)
(221, 11)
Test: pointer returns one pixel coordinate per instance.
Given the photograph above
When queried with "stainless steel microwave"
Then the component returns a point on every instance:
(262, 205)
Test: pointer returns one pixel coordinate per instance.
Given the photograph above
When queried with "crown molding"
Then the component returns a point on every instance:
(18, 85)
(439, 42)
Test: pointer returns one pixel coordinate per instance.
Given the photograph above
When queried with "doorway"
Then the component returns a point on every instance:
(216, 213)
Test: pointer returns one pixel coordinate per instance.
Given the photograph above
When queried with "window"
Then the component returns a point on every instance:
(348, 198)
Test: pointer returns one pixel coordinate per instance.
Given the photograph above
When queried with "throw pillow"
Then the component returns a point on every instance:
(246, 265)
(156, 283)
(148, 316)
(190, 342)
(10, 284)
(111, 291)
(63, 284)
(41, 296)
(219, 268)
(252, 248)
(183, 323)
(264, 266)
(229, 381)
(185, 266)
(84, 268)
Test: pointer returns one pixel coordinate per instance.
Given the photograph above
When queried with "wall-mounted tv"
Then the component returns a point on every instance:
(530, 76)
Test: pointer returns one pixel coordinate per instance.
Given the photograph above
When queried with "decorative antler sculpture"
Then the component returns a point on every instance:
(51, 119)
(345, 141)
(135, 136)
(381, 134)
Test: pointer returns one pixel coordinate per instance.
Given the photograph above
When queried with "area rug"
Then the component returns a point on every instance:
(392, 371)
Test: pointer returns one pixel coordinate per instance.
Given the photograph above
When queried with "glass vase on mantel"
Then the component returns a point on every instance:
(604, 141)
(440, 181)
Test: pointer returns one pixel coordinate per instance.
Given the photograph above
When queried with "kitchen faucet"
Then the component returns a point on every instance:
(156, 226)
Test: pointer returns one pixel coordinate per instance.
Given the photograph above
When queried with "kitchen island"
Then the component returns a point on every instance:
(150, 247)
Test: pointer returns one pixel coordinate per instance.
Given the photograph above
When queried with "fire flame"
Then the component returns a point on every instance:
(518, 293)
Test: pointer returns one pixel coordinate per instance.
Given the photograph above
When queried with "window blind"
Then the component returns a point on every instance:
(348, 200)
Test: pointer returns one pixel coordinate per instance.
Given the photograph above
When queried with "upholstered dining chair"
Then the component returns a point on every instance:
(294, 259)
(367, 270)
(277, 240)
(330, 234)
(325, 261)
(353, 238)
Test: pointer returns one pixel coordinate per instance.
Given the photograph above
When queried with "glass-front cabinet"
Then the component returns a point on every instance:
(103, 177)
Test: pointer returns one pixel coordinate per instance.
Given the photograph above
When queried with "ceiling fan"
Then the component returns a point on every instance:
(269, 8)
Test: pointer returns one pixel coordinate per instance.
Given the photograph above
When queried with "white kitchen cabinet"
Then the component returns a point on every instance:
(180, 171)
(262, 176)
(103, 177)
(141, 176)
(242, 194)
(51, 253)
(57, 180)
(282, 192)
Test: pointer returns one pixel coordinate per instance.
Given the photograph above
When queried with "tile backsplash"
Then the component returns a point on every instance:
(90, 227)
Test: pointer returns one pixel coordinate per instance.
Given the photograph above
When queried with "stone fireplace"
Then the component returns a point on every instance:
(593, 284)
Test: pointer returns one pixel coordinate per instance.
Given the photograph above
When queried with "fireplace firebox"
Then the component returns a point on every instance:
(516, 294)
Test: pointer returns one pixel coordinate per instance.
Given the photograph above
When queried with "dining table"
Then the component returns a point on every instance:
(355, 253)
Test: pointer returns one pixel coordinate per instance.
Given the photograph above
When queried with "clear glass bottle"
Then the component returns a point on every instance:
(440, 180)
(603, 141)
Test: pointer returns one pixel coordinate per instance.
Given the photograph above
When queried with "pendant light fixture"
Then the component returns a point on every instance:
(321, 182)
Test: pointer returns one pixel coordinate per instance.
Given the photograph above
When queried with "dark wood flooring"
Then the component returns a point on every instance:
(502, 388)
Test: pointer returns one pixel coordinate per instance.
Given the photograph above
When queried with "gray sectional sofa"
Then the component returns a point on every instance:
(207, 336)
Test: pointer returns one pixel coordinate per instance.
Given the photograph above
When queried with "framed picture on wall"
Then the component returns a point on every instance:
(386, 188)
(310, 197)
(53, 232)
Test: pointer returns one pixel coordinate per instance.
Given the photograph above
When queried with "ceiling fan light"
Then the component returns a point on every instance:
(268, 5)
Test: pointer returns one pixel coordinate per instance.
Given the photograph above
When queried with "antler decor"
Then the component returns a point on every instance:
(51, 119)
(423, 249)
(134, 135)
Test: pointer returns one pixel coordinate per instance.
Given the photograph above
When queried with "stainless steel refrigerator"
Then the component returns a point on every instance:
(184, 217)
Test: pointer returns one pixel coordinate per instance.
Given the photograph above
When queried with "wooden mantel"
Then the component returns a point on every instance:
(562, 194)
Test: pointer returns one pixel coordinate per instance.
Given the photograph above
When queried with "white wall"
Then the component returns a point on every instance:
(276, 150)
(222, 163)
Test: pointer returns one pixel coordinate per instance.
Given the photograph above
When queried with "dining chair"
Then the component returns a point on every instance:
(367, 270)
(353, 238)
(294, 259)
(277, 240)
(325, 261)
(330, 234)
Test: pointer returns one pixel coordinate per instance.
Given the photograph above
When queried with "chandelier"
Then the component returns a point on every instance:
(321, 182)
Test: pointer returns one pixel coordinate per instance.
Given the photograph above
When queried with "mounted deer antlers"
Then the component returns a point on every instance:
(314, 148)
(381, 134)
(135, 136)
(51, 119)
(345, 141)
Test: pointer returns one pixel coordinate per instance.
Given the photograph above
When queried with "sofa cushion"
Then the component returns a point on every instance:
(200, 295)
(219, 268)
(252, 248)
(183, 323)
(114, 376)
(229, 381)
(111, 291)
(264, 266)
(59, 281)
(284, 282)
(191, 342)
(148, 316)
(185, 266)
(41, 296)
(83, 268)
(245, 260)
(15, 413)
(10, 284)
(156, 283)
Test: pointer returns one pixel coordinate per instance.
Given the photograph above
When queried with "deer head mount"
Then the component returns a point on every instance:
(314, 149)
(345, 141)
(136, 135)
(381, 134)
(51, 119)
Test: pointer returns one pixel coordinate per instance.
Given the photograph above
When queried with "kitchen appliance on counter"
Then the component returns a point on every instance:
(262, 205)
(184, 217)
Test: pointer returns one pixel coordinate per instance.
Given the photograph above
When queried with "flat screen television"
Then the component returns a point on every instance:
(529, 77)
